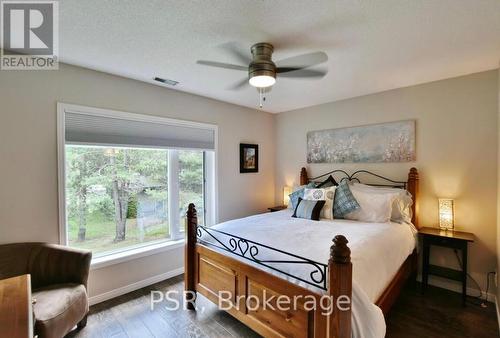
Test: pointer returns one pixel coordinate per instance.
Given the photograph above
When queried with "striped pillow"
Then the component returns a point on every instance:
(327, 195)
(308, 209)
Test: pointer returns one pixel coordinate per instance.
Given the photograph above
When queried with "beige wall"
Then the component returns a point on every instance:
(498, 203)
(456, 151)
(28, 156)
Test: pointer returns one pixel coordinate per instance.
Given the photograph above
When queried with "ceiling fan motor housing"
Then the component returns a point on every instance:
(261, 64)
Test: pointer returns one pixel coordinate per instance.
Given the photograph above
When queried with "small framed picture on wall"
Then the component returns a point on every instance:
(249, 158)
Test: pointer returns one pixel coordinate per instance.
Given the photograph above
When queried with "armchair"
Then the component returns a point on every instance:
(58, 280)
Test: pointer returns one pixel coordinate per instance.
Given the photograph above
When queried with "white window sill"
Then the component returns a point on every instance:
(125, 256)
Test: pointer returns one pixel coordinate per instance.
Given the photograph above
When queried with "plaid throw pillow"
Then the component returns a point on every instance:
(344, 202)
(308, 209)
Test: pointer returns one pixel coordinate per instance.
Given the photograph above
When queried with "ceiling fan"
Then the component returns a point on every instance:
(262, 71)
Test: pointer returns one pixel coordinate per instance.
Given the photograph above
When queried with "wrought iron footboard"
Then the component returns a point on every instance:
(251, 250)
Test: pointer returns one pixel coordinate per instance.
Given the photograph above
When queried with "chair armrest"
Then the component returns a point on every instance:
(14, 259)
(55, 264)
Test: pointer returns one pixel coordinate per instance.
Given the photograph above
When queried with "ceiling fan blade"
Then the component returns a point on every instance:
(281, 70)
(304, 60)
(222, 65)
(239, 85)
(235, 49)
(301, 73)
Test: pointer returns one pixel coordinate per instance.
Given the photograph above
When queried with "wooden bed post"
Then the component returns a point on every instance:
(412, 187)
(340, 285)
(303, 176)
(190, 254)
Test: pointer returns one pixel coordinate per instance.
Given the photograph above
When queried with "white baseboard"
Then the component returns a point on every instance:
(134, 286)
(456, 287)
(474, 292)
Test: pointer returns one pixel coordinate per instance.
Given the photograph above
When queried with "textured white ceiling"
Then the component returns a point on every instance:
(372, 45)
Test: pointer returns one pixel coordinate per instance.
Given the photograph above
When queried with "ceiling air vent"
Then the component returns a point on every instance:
(166, 81)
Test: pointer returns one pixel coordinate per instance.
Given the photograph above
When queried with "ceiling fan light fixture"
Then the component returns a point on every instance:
(262, 81)
(262, 71)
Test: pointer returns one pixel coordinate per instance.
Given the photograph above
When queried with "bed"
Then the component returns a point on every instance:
(272, 255)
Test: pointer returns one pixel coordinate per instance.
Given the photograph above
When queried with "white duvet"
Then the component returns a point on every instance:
(377, 252)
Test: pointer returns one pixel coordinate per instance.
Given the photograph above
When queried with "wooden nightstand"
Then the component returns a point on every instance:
(277, 208)
(448, 239)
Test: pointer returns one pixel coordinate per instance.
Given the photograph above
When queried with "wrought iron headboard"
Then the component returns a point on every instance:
(411, 185)
(355, 177)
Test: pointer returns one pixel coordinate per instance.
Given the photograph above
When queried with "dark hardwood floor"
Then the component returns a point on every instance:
(437, 314)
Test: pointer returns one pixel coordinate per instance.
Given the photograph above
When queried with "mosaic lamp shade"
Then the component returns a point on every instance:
(446, 213)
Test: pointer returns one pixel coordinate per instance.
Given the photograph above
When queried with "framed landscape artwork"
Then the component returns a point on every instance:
(386, 142)
(249, 158)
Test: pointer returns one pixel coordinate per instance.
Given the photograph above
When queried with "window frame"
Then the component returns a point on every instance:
(211, 209)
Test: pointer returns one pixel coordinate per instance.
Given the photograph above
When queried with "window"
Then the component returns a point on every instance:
(135, 190)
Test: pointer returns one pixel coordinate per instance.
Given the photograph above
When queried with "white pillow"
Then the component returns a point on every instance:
(401, 207)
(322, 194)
(374, 207)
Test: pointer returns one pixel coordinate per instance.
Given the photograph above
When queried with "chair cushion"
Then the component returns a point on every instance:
(59, 308)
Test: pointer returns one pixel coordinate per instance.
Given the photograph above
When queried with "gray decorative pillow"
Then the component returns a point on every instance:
(294, 196)
(308, 209)
(344, 202)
